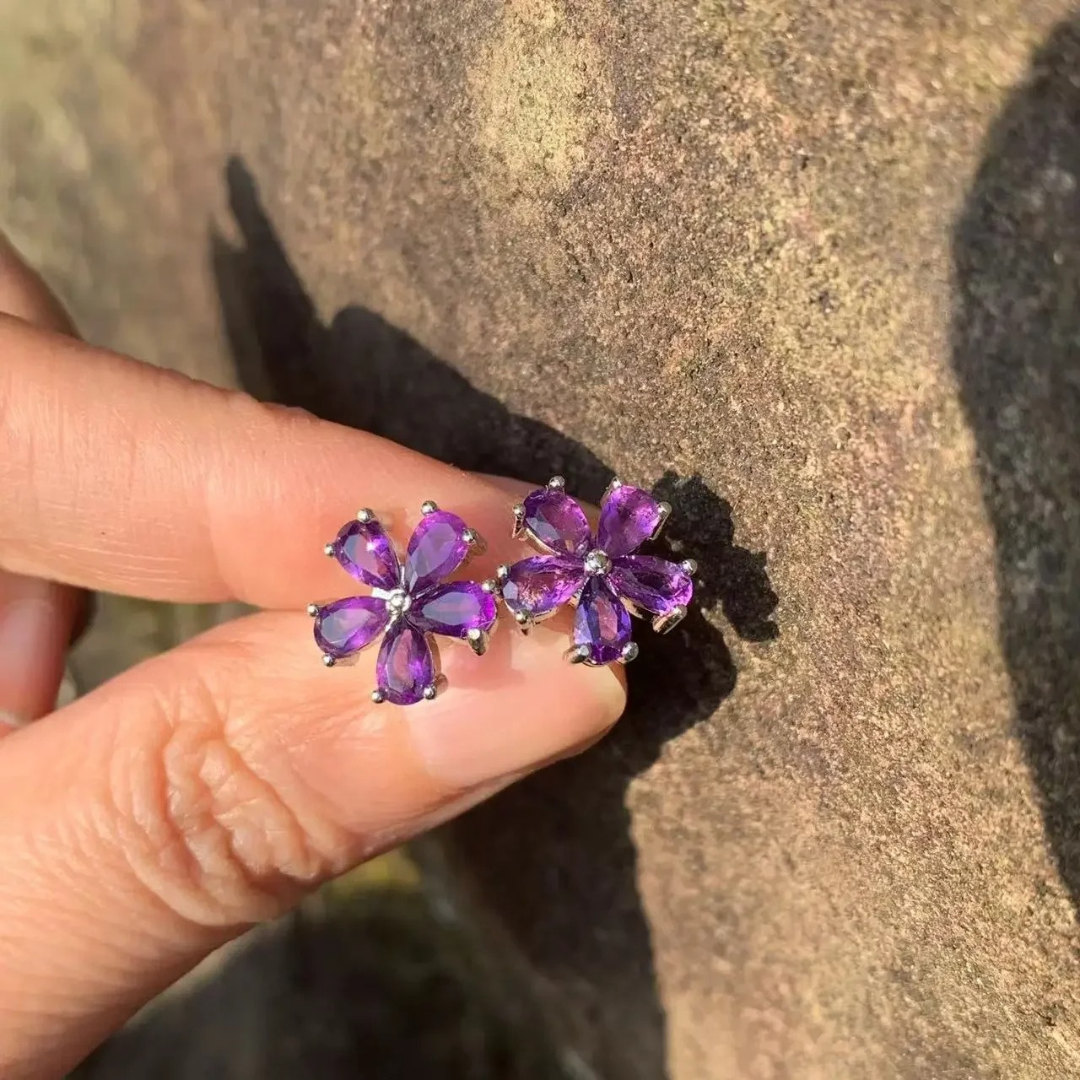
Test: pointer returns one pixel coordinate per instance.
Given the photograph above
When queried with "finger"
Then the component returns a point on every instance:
(146, 823)
(123, 477)
(37, 617)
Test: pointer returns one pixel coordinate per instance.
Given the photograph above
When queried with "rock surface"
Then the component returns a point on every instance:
(812, 268)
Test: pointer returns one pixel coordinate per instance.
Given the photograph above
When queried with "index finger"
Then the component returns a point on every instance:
(123, 477)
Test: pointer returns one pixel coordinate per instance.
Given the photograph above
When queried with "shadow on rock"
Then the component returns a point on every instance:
(1016, 350)
(554, 856)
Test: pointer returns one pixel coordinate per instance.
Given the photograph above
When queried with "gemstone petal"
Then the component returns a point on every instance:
(366, 552)
(405, 665)
(557, 521)
(541, 583)
(347, 626)
(453, 609)
(628, 518)
(601, 623)
(437, 548)
(652, 584)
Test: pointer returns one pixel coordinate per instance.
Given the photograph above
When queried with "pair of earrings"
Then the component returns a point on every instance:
(411, 602)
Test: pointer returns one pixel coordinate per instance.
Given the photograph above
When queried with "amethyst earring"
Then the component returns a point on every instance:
(410, 602)
(603, 576)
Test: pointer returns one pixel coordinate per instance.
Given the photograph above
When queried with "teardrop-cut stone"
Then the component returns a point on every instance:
(652, 584)
(541, 583)
(453, 609)
(628, 517)
(347, 626)
(556, 521)
(366, 552)
(601, 623)
(405, 665)
(437, 548)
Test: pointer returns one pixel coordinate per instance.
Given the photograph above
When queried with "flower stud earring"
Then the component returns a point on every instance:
(603, 576)
(409, 602)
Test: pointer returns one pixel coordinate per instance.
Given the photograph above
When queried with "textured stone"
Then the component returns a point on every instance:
(812, 267)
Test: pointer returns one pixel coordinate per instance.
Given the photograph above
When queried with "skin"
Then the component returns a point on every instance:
(209, 788)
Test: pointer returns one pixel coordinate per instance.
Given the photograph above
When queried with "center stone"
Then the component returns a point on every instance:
(597, 562)
(398, 602)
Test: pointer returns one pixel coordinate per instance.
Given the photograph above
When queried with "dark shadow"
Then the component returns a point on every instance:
(568, 894)
(1016, 350)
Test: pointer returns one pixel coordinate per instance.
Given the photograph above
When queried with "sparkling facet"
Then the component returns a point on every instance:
(454, 609)
(601, 623)
(405, 665)
(366, 552)
(437, 548)
(556, 521)
(346, 626)
(541, 583)
(652, 584)
(597, 562)
(628, 518)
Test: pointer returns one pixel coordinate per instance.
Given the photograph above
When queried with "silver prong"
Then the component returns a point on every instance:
(313, 610)
(364, 515)
(665, 513)
(557, 482)
(328, 550)
(578, 654)
(689, 567)
(428, 507)
(523, 621)
(502, 573)
(328, 661)
(615, 484)
(478, 640)
(663, 623)
(629, 652)
(430, 692)
(490, 586)
(477, 545)
(378, 695)
(519, 521)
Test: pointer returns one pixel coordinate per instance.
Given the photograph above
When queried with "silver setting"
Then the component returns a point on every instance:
(615, 484)
(328, 550)
(428, 507)
(365, 516)
(502, 573)
(665, 513)
(597, 563)
(398, 602)
(478, 640)
(578, 654)
(629, 652)
(491, 586)
(378, 695)
(430, 692)
(689, 567)
(664, 624)
(477, 544)
(557, 483)
(519, 520)
(524, 621)
(313, 610)
(328, 660)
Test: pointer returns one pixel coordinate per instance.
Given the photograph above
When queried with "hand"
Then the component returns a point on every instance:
(209, 788)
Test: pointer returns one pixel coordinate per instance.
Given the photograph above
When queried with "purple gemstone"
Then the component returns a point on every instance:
(557, 522)
(366, 552)
(453, 609)
(601, 622)
(347, 626)
(628, 518)
(437, 548)
(541, 583)
(405, 665)
(650, 583)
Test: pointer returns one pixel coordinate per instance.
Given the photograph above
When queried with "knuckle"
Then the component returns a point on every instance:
(208, 827)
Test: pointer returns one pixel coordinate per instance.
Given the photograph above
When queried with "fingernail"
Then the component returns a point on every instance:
(527, 706)
(28, 628)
